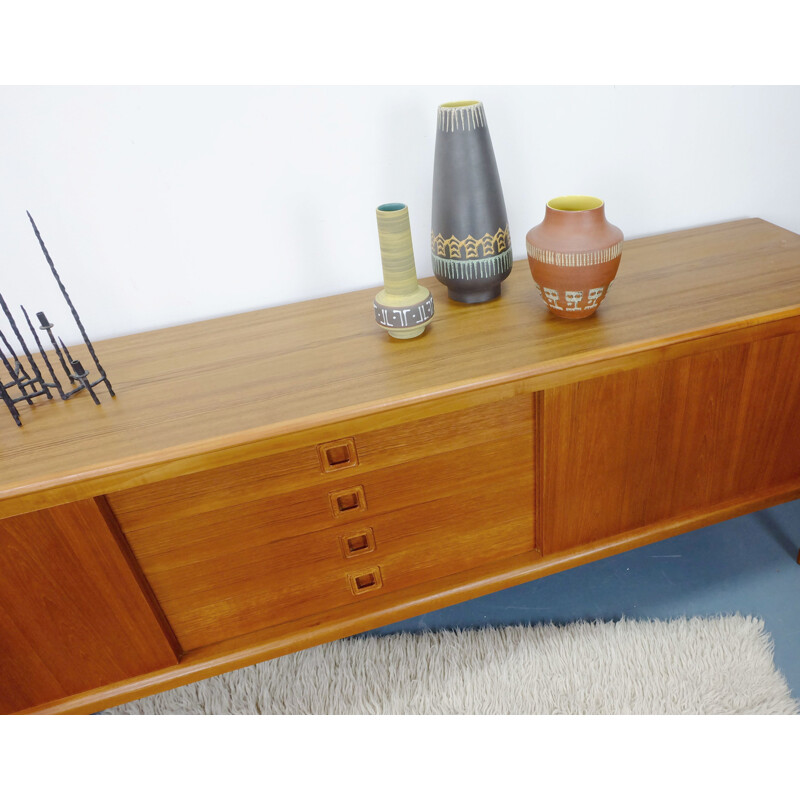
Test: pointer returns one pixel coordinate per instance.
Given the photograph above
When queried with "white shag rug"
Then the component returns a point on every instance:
(720, 665)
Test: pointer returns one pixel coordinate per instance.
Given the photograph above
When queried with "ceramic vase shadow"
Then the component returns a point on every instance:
(470, 242)
(574, 255)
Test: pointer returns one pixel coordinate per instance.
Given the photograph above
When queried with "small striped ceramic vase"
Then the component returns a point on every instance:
(403, 308)
(574, 255)
(470, 243)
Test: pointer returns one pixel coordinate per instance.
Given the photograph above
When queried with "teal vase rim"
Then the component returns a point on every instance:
(392, 207)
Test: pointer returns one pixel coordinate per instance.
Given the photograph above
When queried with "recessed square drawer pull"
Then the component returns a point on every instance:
(358, 543)
(366, 581)
(338, 455)
(348, 501)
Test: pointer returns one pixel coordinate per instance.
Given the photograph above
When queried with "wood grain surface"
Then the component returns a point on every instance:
(296, 477)
(73, 615)
(232, 561)
(502, 445)
(189, 392)
(386, 608)
(631, 449)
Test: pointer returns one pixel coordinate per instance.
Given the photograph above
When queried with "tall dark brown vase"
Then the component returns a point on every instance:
(470, 243)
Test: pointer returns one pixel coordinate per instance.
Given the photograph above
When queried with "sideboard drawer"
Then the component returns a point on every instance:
(349, 500)
(246, 547)
(209, 595)
(334, 463)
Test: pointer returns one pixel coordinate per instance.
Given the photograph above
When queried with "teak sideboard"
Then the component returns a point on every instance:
(273, 480)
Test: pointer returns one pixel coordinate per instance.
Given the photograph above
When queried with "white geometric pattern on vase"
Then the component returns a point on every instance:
(573, 299)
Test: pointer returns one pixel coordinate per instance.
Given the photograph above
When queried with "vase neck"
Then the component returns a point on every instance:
(575, 219)
(461, 116)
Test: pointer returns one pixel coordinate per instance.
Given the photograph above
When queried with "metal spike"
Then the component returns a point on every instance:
(10, 405)
(46, 325)
(34, 366)
(20, 369)
(71, 306)
(55, 384)
(81, 374)
(65, 349)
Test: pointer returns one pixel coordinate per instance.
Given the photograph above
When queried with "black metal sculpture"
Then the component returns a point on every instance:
(24, 386)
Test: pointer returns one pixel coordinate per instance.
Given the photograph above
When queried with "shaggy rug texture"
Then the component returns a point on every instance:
(720, 665)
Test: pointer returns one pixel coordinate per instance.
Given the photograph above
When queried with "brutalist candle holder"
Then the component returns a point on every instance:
(26, 385)
(403, 308)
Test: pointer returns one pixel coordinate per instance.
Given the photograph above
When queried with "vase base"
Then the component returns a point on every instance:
(474, 296)
(576, 315)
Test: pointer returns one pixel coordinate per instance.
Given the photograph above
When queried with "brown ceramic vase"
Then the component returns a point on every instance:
(574, 255)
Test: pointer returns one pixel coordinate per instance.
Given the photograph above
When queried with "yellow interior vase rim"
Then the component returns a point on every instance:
(575, 202)
(461, 104)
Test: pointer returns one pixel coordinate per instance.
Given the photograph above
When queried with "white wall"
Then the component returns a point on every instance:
(165, 205)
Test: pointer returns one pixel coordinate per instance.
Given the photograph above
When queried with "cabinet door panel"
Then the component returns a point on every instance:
(636, 448)
(73, 614)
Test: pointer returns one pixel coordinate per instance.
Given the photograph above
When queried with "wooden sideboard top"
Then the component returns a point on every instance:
(228, 382)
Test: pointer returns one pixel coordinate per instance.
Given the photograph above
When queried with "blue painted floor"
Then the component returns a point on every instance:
(747, 564)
